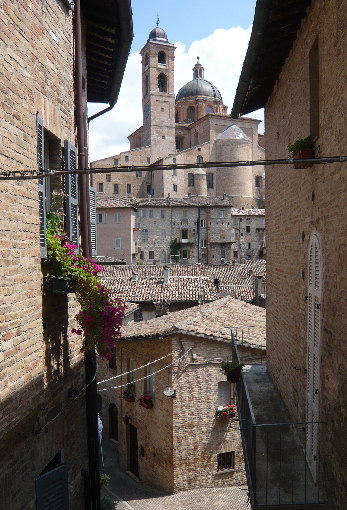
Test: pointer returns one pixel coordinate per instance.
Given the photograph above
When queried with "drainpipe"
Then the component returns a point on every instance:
(90, 358)
(198, 232)
(208, 227)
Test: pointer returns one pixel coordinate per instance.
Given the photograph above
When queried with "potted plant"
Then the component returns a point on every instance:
(104, 479)
(232, 370)
(146, 401)
(228, 411)
(129, 393)
(302, 149)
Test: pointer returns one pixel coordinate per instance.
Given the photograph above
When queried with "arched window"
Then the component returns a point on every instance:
(190, 114)
(199, 159)
(161, 58)
(209, 109)
(314, 324)
(146, 85)
(162, 83)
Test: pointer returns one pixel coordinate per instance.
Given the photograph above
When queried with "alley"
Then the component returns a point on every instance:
(128, 494)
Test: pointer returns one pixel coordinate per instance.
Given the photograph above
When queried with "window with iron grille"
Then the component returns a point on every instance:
(225, 461)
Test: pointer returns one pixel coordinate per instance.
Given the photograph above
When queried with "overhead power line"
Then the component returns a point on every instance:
(30, 174)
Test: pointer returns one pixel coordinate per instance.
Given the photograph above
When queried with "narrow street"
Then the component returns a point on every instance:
(128, 494)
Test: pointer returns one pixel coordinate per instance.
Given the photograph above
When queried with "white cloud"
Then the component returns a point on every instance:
(222, 54)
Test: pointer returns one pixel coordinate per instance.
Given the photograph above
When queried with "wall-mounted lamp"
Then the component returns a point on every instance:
(169, 392)
(126, 419)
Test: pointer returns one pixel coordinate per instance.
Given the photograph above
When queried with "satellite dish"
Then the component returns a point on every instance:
(169, 392)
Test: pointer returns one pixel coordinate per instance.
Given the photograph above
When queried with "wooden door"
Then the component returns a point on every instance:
(133, 453)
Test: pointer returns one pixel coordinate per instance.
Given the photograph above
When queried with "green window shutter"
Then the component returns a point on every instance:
(71, 192)
(92, 200)
(42, 204)
(52, 489)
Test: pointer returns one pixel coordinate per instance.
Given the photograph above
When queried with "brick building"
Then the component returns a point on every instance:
(303, 90)
(192, 127)
(181, 443)
(207, 230)
(43, 427)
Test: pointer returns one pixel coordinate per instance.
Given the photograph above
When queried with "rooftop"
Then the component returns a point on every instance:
(187, 283)
(212, 321)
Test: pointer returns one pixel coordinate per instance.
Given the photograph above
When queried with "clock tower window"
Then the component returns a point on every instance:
(162, 83)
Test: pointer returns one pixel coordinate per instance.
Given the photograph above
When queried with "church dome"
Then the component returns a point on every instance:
(157, 34)
(198, 87)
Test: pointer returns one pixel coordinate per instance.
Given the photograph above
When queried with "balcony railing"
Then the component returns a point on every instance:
(278, 471)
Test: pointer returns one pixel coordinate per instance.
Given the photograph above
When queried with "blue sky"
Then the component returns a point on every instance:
(217, 31)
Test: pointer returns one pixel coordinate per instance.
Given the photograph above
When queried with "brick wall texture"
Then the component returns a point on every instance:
(303, 202)
(39, 360)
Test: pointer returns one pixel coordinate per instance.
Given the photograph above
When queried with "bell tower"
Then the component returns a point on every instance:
(158, 97)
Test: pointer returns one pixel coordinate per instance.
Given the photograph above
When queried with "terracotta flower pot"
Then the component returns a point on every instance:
(128, 398)
(147, 405)
(303, 154)
(234, 375)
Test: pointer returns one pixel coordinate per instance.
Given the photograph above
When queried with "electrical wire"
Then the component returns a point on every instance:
(73, 399)
(147, 376)
(138, 368)
(29, 174)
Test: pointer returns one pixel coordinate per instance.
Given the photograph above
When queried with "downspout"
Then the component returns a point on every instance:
(198, 231)
(90, 358)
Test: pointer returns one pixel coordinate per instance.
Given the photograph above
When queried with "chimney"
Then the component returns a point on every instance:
(224, 195)
(166, 274)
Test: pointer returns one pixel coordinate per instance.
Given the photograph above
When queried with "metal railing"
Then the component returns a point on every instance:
(279, 471)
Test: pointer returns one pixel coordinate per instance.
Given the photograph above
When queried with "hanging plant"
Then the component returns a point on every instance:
(227, 411)
(101, 314)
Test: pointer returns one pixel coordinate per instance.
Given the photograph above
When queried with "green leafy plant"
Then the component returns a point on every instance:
(227, 411)
(300, 144)
(230, 366)
(174, 249)
(129, 391)
(101, 314)
(104, 478)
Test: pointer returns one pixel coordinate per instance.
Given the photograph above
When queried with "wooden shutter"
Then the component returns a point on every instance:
(52, 489)
(71, 191)
(92, 200)
(42, 203)
(313, 353)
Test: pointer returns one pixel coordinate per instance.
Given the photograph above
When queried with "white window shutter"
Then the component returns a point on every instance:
(92, 201)
(71, 192)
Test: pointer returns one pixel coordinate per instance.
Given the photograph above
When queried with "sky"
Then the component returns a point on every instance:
(216, 31)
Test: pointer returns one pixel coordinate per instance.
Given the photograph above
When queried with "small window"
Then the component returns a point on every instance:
(151, 255)
(222, 213)
(162, 83)
(203, 243)
(209, 109)
(163, 213)
(257, 181)
(163, 137)
(115, 162)
(132, 371)
(248, 228)
(248, 246)
(146, 60)
(150, 213)
(174, 187)
(101, 218)
(144, 235)
(203, 223)
(190, 114)
(108, 177)
(161, 57)
(118, 243)
(184, 254)
(209, 180)
(138, 315)
(163, 234)
(162, 109)
(199, 159)
(190, 180)
(184, 233)
(142, 255)
(116, 188)
(148, 160)
(138, 173)
(148, 189)
(236, 254)
(174, 171)
(126, 159)
(174, 161)
(128, 188)
(101, 187)
(117, 217)
(225, 461)
(149, 381)
(178, 144)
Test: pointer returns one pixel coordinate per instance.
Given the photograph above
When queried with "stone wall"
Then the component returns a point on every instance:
(303, 202)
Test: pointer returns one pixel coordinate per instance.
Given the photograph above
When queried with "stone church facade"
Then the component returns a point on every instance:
(192, 127)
